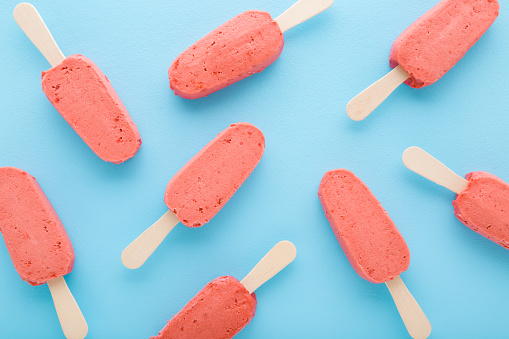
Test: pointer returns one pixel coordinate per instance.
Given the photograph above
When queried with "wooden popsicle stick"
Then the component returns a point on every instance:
(365, 102)
(137, 252)
(416, 322)
(274, 261)
(422, 163)
(34, 27)
(69, 314)
(301, 11)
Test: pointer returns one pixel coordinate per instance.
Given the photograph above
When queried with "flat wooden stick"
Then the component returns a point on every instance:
(364, 103)
(34, 27)
(137, 252)
(274, 261)
(301, 11)
(422, 163)
(416, 322)
(69, 314)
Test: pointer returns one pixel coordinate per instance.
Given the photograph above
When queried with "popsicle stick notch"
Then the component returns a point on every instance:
(36, 30)
(365, 102)
(422, 163)
(69, 314)
(416, 322)
(274, 261)
(137, 252)
(301, 11)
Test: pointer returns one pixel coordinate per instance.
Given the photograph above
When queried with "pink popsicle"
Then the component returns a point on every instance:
(82, 94)
(372, 243)
(482, 200)
(238, 48)
(366, 233)
(219, 311)
(428, 49)
(242, 46)
(225, 305)
(84, 97)
(436, 41)
(483, 206)
(34, 235)
(38, 244)
(201, 188)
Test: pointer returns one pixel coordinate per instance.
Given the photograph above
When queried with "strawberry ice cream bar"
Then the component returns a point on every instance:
(240, 47)
(201, 188)
(483, 206)
(482, 200)
(82, 94)
(220, 310)
(372, 243)
(225, 305)
(434, 43)
(84, 97)
(34, 235)
(38, 244)
(428, 49)
(366, 233)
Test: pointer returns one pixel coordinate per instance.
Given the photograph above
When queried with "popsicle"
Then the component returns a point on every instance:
(428, 48)
(82, 94)
(372, 243)
(240, 47)
(38, 244)
(201, 188)
(225, 305)
(482, 200)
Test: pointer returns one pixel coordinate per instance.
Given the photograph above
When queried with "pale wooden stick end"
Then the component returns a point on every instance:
(368, 100)
(416, 322)
(138, 251)
(69, 314)
(283, 253)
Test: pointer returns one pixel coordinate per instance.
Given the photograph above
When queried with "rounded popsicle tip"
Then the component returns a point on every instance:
(356, 111)
(77, 332)
(131, 261)
(21, 6)
(288, 250)
(410, 153)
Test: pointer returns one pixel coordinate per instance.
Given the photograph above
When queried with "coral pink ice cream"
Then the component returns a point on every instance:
(34, 235)
(238, 48)
(483, 206)
(84, 97)
(220, 310)
(366, 233)
(434, 43)
(200, 189)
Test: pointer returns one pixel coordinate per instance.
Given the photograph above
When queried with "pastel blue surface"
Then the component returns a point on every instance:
(458, 277)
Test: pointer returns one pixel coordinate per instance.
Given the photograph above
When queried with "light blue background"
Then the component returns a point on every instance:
(458, 277)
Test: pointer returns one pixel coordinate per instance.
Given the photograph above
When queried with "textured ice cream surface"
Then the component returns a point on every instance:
(436, 41)
(483, 206)
(242, 46)
(84, 97)
(219, 311)
(201, 188)
(366, 233)
(34, 235)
